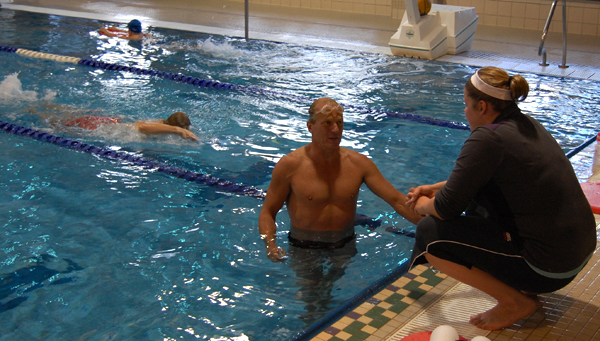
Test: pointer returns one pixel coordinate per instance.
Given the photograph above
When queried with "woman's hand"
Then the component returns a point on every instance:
(420, 205)
(415, 193)
(420, 200)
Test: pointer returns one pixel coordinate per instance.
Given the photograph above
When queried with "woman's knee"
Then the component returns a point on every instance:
(427, 230)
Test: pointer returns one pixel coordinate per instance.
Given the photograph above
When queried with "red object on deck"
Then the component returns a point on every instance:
(592, 192)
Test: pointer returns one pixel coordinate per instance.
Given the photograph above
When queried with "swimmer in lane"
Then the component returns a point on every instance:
(177, 123)
(134, 31)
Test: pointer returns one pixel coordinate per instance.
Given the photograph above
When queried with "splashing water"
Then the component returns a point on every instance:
(12, 89)
(217, 50)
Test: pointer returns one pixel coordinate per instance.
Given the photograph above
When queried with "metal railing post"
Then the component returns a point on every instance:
(246, 19)
(542, 50)
(564, 56)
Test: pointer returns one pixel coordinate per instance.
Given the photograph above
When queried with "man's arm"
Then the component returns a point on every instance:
(277, 194)
(154, 128)
(386, 191)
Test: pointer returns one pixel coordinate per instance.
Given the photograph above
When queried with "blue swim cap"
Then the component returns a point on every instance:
(135, 26)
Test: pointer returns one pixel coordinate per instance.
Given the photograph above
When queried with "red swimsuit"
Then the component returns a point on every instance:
(90, 122)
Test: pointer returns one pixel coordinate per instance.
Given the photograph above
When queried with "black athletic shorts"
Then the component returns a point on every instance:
(480, 242)
(313, 244)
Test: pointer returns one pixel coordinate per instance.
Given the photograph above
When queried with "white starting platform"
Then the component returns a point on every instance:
(445, 29)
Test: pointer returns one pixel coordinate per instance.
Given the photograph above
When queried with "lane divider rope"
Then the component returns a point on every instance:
(582, 146)
(42, 55)
(127, 157)
(227, 86)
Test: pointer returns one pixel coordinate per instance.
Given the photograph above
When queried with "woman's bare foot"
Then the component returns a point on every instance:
(504, 315)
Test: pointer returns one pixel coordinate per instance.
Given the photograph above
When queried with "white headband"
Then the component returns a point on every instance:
(489, 90)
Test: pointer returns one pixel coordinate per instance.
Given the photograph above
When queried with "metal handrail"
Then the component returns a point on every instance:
(542, 50)
(246, 15)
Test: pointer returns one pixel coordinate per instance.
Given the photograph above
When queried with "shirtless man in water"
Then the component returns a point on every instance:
(319, 183)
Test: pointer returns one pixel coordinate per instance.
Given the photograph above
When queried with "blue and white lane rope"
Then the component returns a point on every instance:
(126, 157)
(226, 86)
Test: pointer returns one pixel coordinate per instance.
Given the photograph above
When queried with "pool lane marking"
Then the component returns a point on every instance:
(582, 146)
(227, 86)
(126, 157)
(43, 55)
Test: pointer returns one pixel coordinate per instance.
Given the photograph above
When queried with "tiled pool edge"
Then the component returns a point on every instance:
(390, 308)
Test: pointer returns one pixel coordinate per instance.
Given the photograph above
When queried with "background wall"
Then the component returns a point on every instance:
(582, 16)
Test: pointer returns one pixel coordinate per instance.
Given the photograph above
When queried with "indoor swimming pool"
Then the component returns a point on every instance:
(95, 248)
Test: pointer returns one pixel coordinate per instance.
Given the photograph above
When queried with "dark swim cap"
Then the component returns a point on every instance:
(135, 26)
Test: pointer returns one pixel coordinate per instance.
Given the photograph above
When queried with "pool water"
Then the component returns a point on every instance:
(97, 249)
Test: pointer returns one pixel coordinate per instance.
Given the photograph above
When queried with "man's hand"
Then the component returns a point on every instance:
(276, 254)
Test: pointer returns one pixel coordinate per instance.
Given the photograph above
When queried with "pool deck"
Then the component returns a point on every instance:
(424, 298)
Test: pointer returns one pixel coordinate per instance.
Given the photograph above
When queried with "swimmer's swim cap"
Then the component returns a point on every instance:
(135, 26)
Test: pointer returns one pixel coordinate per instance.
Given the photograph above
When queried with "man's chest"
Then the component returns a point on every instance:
(318, 185)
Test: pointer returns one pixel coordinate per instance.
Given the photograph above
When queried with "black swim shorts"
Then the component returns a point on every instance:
(318, 245)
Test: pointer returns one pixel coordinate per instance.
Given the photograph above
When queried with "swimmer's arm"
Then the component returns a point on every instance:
(277, 193)
(155, 128)
(386, 191)
(116, 32)
(109, 31)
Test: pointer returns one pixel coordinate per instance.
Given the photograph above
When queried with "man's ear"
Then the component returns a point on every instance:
(309, 125)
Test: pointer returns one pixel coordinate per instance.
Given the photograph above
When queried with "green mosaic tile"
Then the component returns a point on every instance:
(379, 321)
(398, 307)
(416, 293)
(375, 312)
(433, 281)
(354, 327)
(394, 298)
(335, 339)
(412, 285)
(359, 336)
(428, 273)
